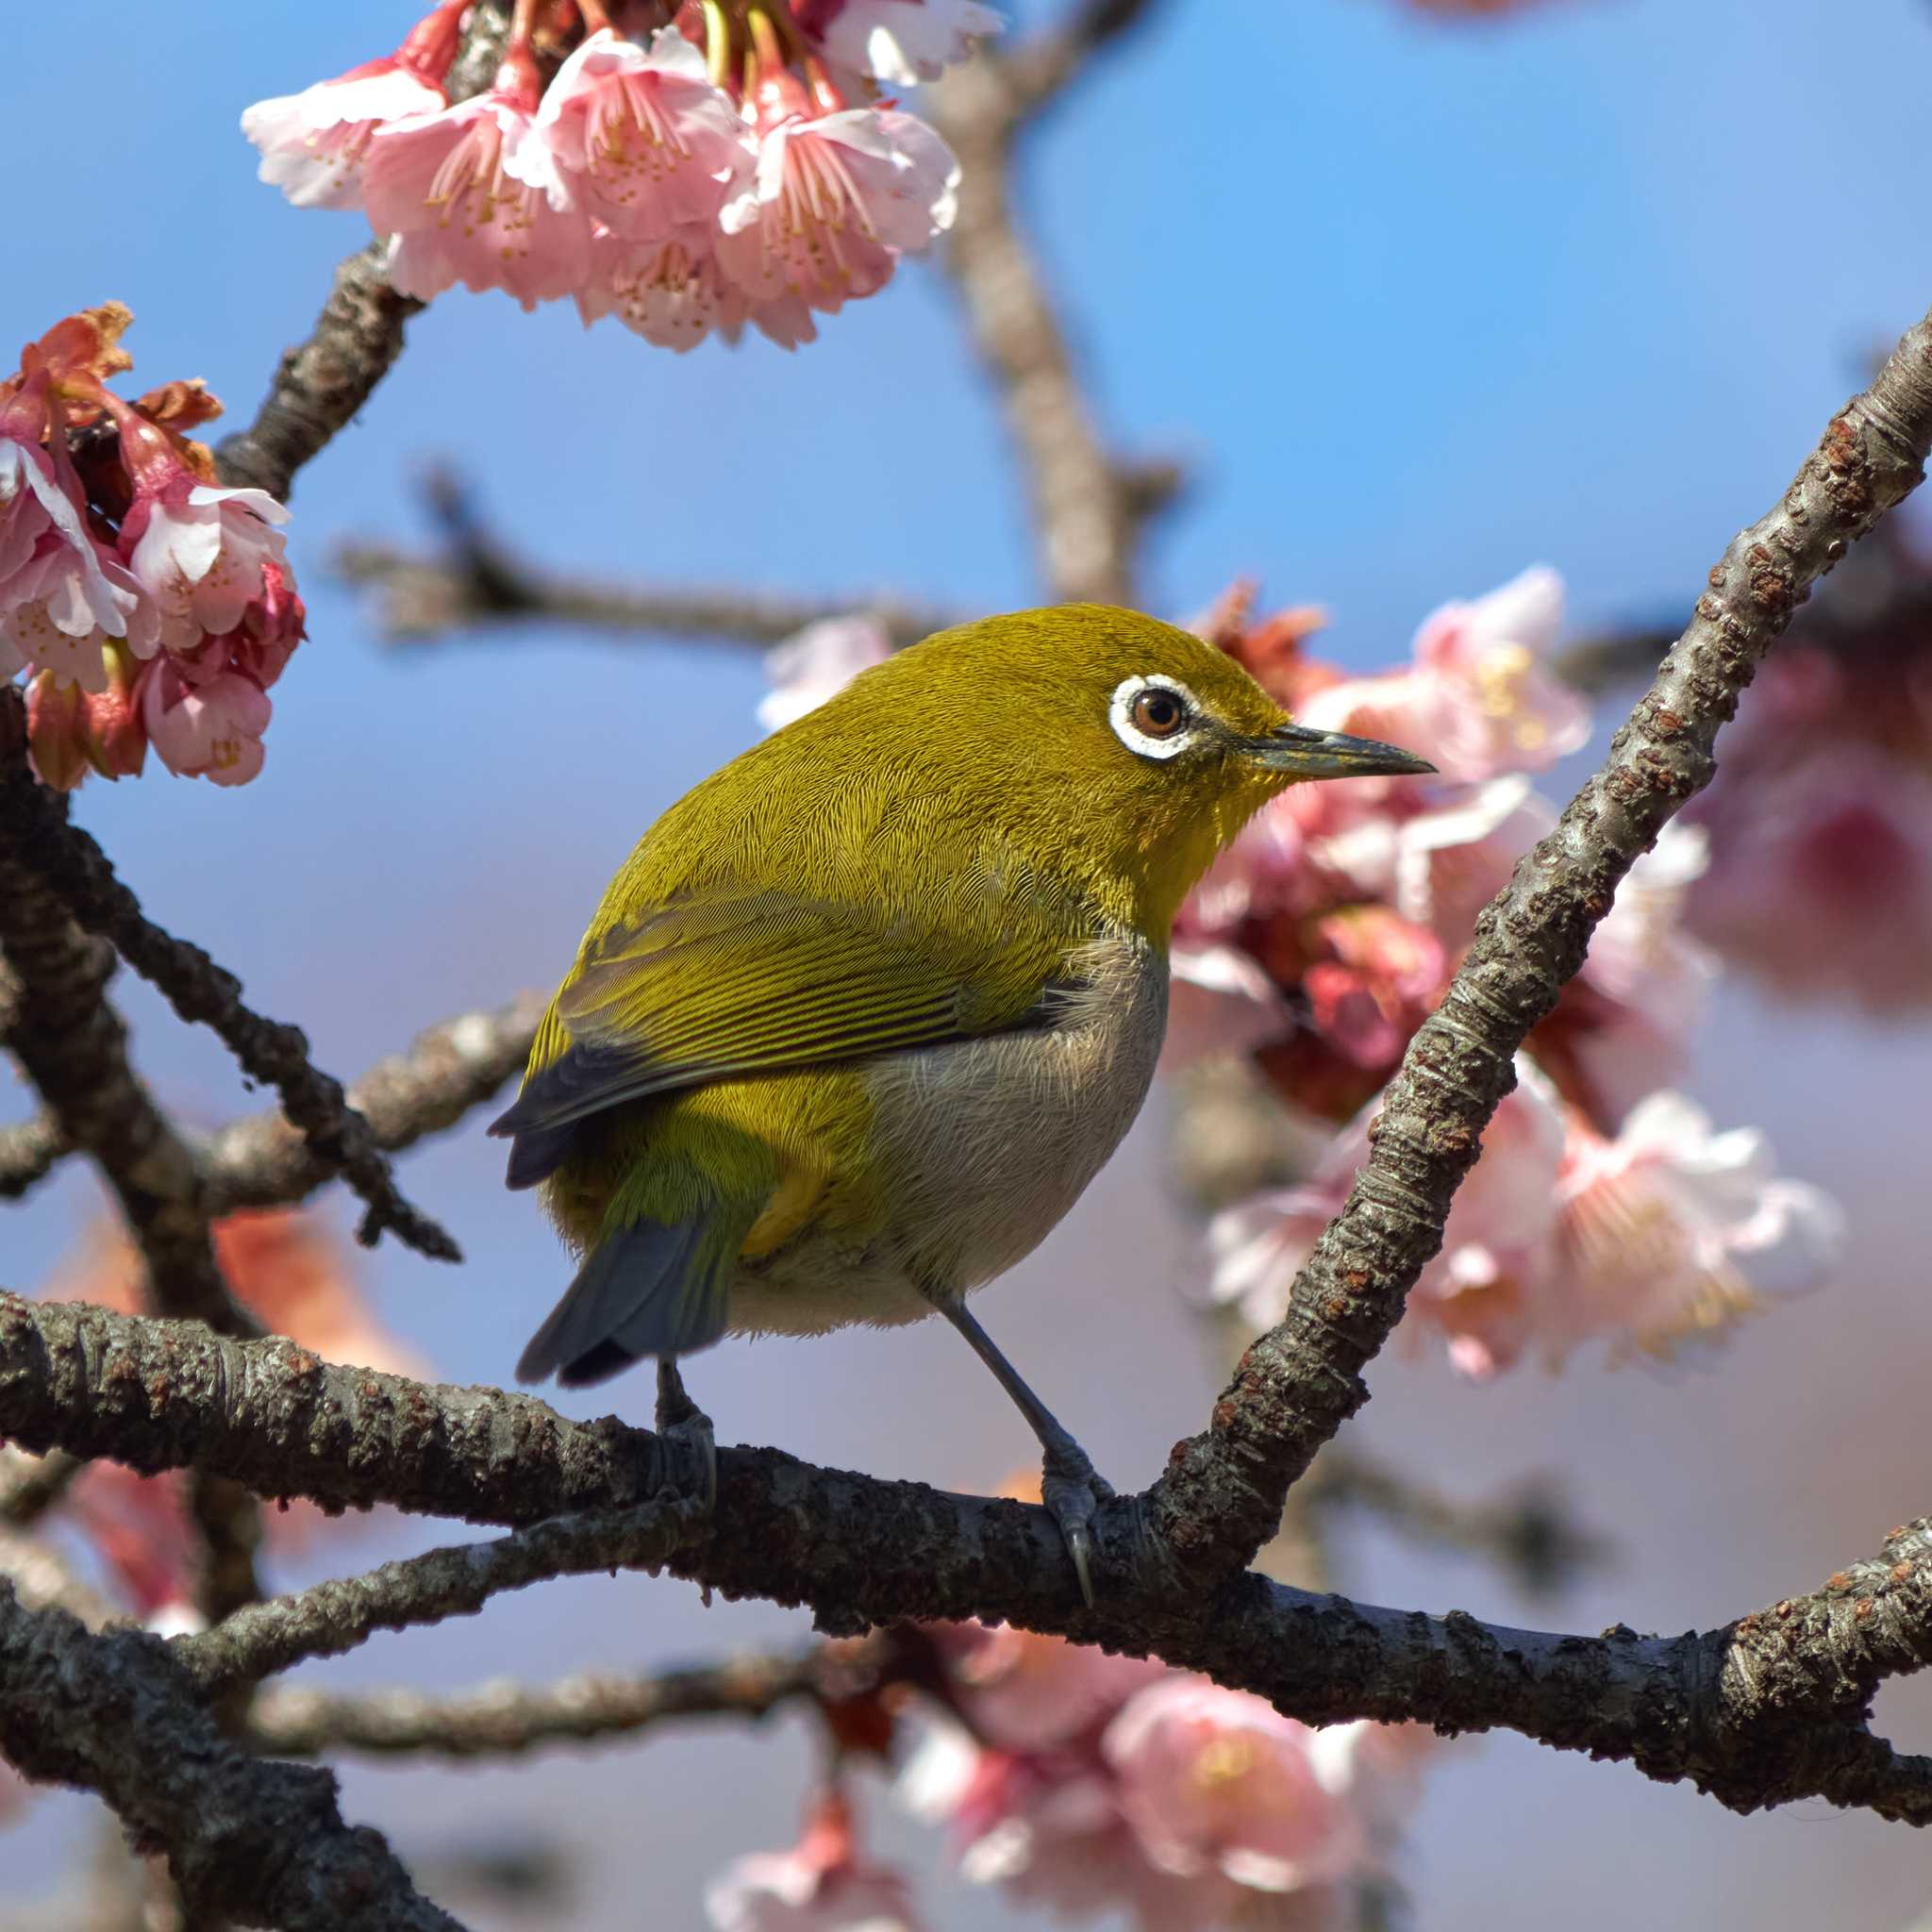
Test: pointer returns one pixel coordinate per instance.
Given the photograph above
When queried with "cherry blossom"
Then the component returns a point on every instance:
(821, 1884)
(472, 194)
(834, 203)
(62, 608)
(672, 292)
(1220, 1001)
(821, 660)
(1669, 1232)
(211, 729)
(313, 143)
(1217, 1781)
(901, 42)
(648, 144)
(1476, 701)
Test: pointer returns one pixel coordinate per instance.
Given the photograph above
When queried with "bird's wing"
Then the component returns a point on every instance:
(725, 984)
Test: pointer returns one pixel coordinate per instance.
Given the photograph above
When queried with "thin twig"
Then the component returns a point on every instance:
(69, 865)
(455, 1581)
(505, 1720)
(263, 1161)
(477, 583)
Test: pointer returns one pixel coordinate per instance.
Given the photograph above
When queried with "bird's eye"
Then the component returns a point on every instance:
(1157, 712)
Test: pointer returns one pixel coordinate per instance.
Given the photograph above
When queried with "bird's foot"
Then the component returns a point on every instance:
(689, 1443)
(1072, 1491)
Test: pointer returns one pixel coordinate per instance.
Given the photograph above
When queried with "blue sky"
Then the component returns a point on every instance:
(1417, 305)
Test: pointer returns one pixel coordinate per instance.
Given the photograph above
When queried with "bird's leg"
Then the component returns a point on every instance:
(1068, 1484)
(687, 1428)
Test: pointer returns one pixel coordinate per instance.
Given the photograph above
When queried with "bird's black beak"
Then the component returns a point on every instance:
(1310, 754)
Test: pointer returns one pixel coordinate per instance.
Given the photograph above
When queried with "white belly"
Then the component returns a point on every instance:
(986, 1144)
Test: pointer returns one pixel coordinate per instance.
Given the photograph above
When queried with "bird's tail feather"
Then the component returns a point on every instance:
(648, 1289)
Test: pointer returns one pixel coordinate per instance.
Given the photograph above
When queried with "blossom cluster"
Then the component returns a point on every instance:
(1604, 1208)
(736, 167)
(147, 604)
(1090, 1785)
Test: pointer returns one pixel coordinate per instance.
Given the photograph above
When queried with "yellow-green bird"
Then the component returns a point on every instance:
(865, 1012)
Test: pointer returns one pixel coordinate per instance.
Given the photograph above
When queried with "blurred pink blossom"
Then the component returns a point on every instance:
(821, 1884)
(835, 201)
(1219, 1001)
(1670, 1232)
(1476, 701)
(313, 143)
(1216, 1781)
(1821, 874)
(1373, 980)
(472, 194)
(645, 141)
(1655, 1237)
(822, 659)
(901, 42)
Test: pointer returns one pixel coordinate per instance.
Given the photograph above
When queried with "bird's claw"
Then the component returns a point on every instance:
(690, 1447)
(1072, 1491)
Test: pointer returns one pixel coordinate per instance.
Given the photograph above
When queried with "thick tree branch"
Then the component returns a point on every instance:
(263, 1161)
(477, 583)
(247, 1839)
(69, 866)
(1763, 1712)
(322, 382)
(1051, 62)
(1222, 1492)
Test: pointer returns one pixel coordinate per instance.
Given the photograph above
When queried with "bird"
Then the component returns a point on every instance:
(864, 1011)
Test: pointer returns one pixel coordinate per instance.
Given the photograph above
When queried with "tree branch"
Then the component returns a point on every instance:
(247, 1839)
(456, 1581)
(1763, 1712)
(1088, 508)
(478, 583)
(69, 866)
(507, 1719)
(263, 1161)
(1222, 1492)
(28, 1154)
(73, 1047)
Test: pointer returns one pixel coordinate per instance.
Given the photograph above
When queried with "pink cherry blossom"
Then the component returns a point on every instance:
(821, 1884)
(673, 293)
(1476, 702)
(646, 142)
(834, 203)
(1217, 1781)
(821, 660)
(1374, 981)
(67, 602)
(313, 143)
(901, 42)
(472, 194)
(211, 730)
(1821, 870)
(1670, 1232)
(31, 503)
(1483, 1291)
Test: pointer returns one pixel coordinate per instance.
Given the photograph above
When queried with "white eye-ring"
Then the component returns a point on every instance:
(1154, 716)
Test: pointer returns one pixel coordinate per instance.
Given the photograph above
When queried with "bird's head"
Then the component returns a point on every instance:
(1115, 752)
